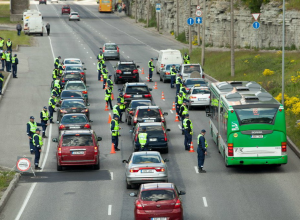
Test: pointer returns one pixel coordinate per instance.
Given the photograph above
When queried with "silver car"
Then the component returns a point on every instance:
(145, 167)
(111, 51)
(74, 16)
(72, 62)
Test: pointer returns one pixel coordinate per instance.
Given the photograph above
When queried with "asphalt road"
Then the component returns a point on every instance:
(79, 193)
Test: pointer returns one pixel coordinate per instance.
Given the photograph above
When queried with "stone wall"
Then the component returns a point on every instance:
(269, 35)
(17, 9)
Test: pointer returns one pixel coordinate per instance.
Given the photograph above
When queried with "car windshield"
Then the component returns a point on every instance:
(155, 195)
(72, 76)
(75, 13)
(73, 104)
(124, 67)
(137, 89)
(73, 61)
(135, 104)
(140, 159)
(168, 67)
(191, 68)
(75, 86)
(77, 140)
(74, 119)
(66, 7)
(148, 113)
(110, 47)
(154, 131)
(191, 82)
(72, 94)
(256, 115)
(201, 91)
(73, 68)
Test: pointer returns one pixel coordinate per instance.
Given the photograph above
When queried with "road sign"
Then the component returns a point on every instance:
(255, 16)
(157, 7)
(256, 25)
(198, 7)
(198, 13)
(198, 20)
(190, 21)
(23, 164)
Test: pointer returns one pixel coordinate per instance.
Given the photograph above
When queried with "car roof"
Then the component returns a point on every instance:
(70, 71)
(75, 81)
(192, 79)
(149, 186)
(81, 100)
(145, 153)
(150, 124)
(191, 64)
(201, 87)
(74, 12)
(141, 100)
(72, 58)
(148, 107)
(68, 132)
(75, 114)
(126, 62)
(76, 91)
(110, 44)
(136, 84)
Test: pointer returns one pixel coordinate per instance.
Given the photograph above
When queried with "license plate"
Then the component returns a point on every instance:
(74, 111)
(111, 52)
(151, 120)
(147, 171)
(163, 218)
(153, 139)
(127, 72)
(201, 99)
(77, 152)
(138, 96)
(257, 136)
(74, 127)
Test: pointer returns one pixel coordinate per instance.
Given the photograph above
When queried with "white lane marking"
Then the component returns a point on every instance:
(128, 56)
(91, 57)
(48, 147)
(109, 209)
(140, 70)
(180, 127)
(196, 169)
(94, 64)
(204, 202)
(84, 48)
(87, 52)
(122, 51)
(112, 175)
(26, 201)
(171, 111)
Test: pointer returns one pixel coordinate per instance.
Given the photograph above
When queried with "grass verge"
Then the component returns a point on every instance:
(16, 40)
(5, 178)
(5, 15)
(250, 66)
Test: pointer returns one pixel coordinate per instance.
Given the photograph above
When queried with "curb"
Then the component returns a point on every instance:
(5, 85)
(9, 191)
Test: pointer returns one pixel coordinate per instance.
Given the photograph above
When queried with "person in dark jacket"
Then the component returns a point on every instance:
(31, 128)
(201, 150)
(14, 64)
(37, 144)
(48, 28)
(19, 29)
(188, 130)
(143, 140)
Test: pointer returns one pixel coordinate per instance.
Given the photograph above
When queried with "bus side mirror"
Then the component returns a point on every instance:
(208, 111)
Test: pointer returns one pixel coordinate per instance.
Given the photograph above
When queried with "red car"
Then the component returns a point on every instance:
(65, 9)
(78, 147)
(158, 201)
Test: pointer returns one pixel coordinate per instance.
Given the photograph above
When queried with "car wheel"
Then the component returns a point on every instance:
(58, 167)
(78, 19)
(190, 107)
(138, 79)
(166, 150)
(42, 34)
(160, 79)
(128, 186)
(97, 166)
(69, 19)
(128, 121)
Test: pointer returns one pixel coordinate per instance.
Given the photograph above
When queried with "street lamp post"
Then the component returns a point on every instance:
(283, 43)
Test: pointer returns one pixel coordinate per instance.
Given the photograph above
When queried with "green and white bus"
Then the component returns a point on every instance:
(247, 124)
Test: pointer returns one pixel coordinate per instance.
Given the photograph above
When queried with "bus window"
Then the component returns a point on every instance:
(223, 120)
(214, 102)
(256, 115)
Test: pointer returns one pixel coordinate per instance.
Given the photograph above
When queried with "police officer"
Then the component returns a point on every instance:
(183, 111)
(186, 58)
(37, 144)
(108, 97)
(201, 150)
(99, 68)
(178, 101)
(57, 83)
(173, 75)
(1, 43)
(56, 62)
(1, 82)
(31, 128)
(117, 111)
(55, 73)
(60, 69)
(100, 56)
(110, 83)
(114, 127)
(178, 83)
(122, 105)
(51, 107)
(183, 91)
(143, 140)
(151, 69)
(15, 62)
(44, 115)
(8, 61)
(3, 58)
(55, 92)
(9, 45)
(188, 131)
(104, 74)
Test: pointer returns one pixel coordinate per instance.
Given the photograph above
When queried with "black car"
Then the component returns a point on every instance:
(189, 83)
(158, 139)
(133, 91)
(74, 122)
(146, 114)
(71, 94)
(76, 68)
(126, 71)
(69, 106)
(129, 112)
(72, 76)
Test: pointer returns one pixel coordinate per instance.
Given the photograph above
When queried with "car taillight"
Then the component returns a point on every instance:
(135, 117)
(103, 50)
(161, 116)
(87, 126)
(160, 169)
(63, 111)
(147, 96)
(203, 76)
(59, 151)
(62, 127)
(64, 66)
(131, 112)
(162, 65)
(82, 73)
(134, 170)
(193, 97)
(283, 146)
(138, 205)
(230, 150)
(60, 101)
(63, 80)
(95, 151)
(78, 16)
(118, 50)
(84, 92)
(136, 135)
(135, 71)
(165, 135)
(167, 73)
(85, 110)
(119, 71)
(177, 204)
(81, 79)
(127, 96)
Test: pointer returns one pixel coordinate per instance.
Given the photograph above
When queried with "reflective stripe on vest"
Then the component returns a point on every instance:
(142, 139)
(115, 111)
(8, 43)
(172, 72)
(185, 123)
(57, 61)
(115, 132)
(1, 79)
(185, 111)
(7, 55)
(107, 96)
(200, 135)
(50, 103)
(177, 80)
(1, 43)
(40, 140)
(99, 66)
(100, 56)
(180, 100)
(33, 126)
(3, 56)
(56, 83)
(13, 60)
(45, 115)
(104, 73)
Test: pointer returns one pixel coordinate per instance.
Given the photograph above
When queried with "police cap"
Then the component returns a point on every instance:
(31, 117)
(59, 56)
(45, 107)
(104, 65)
(121, 94)
(109, 76)
(203, 131)
(38, 129)
(187, 115)
(15, 55)
(144, 129)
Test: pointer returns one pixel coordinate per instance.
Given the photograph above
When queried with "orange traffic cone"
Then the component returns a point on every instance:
(106, 107)
(148, 79)
(177, 118)
(112, 151)
(155, 85)
(143, 71)
(109, 118)
(105, 86)
(192, 148)
(162, 95)
(112, 96)
(173, 107)
(101, 78)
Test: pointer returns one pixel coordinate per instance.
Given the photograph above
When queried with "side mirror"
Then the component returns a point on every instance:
(150, 89)
(84, 68)
(208, 111)
(88, 104)
(137, 66)
(165, 113)
(87, 86)
(54, 140)
(90, 121)
(168, 129)
(182, 192)
(82, 62)
(202, 70)
(133, 195)
(99, 138)
(57, 122)
(156, 58)
(166, 160)
(130, 131)
(124, 161)
(100, 48)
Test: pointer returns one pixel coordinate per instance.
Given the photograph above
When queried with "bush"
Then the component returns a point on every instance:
(181, 37)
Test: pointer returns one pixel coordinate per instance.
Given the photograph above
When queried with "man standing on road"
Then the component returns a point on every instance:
(37, 143)
(31, 128)
(48, 28)
(1, 82)
(186, 58)
(8, 61)
(114, 127)
(56, 62)
(110, 83)
(108, 97)
(51, 107)
(44, 115)
(1, 43)
(117, 111)
(178, 101)
(9, 45)
(122, 104)
(182, 113)
(100, 56)
(188, 129)
(178, 83)
(15, 62)
(19, 29)
(3, 58)
(151, 69)
(201, 150)
(104, 74)
(55, 73)
(99, 68)
(143, 140)
(173, 75)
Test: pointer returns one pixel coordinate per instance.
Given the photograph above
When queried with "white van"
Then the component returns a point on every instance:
(168, 56)
(26, 16)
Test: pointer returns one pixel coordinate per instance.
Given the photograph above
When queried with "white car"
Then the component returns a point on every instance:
(74, 16)
(198, 96)
(52, 1)
(72, 62)
(187, 69)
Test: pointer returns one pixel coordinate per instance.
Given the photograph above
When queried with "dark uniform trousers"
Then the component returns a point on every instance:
(177, 88)
(8, 66)
(109, 102)
(150, 74)
(172, 81)
(44, 126)
(51, 110)
(115, 141)
(14, 70)
(187, 139)
(99, 74)
(177, 109)
(37, 155)
(201, 157)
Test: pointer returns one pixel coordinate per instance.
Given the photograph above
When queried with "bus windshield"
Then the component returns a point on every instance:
(256, 115)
